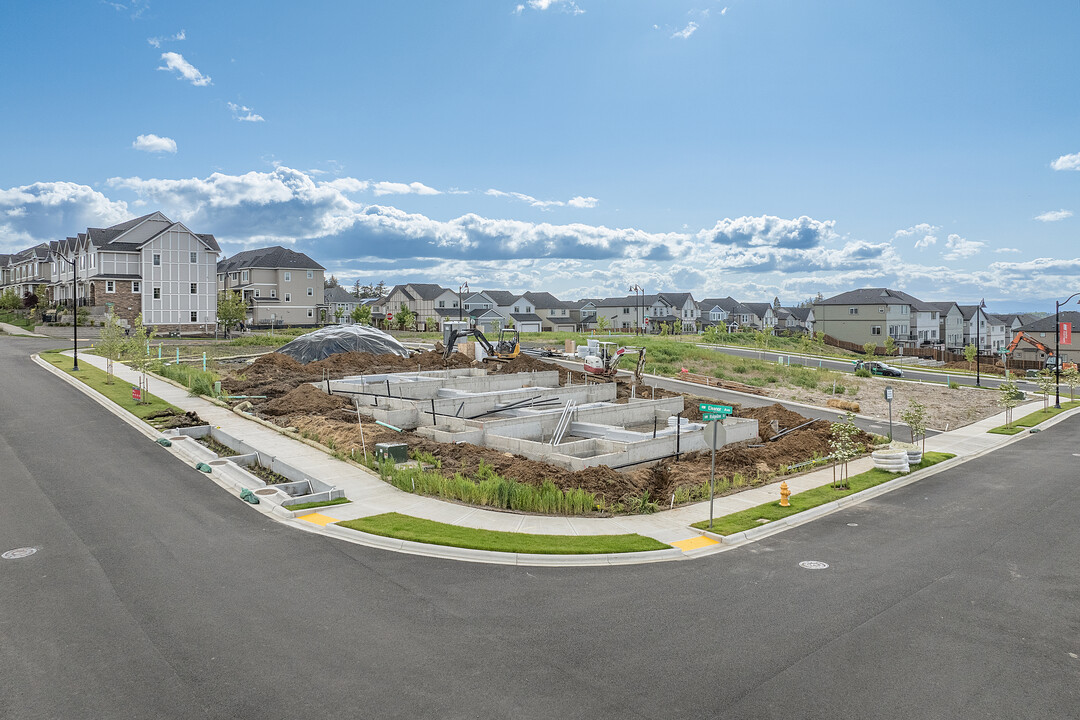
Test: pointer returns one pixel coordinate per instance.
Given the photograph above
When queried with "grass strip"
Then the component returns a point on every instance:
(1033, 419)
(771, 511)
(404, 527)
(118, 391)
(319, 503)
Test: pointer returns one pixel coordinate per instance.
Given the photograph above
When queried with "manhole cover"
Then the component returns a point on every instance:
(18, 553)
(813, 565)
(266, 491)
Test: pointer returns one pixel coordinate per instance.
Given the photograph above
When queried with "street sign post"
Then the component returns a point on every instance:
(711, 417)
(706, 407)
(888, 399)
(716, 436)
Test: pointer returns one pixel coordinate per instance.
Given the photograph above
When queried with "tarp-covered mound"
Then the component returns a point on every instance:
(335, 339)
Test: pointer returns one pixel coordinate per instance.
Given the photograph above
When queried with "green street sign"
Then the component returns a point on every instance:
(714, 416)
(707, 408)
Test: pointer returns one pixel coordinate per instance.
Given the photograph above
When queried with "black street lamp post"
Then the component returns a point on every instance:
(460, 306)
(978, 339)
(1057, 349)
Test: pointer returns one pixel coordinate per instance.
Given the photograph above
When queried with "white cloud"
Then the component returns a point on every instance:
(187, 71)
(577, 201)
(1008, 250)
(582, 202)
(396, 188)
(1067, 162)
(243, 113)
(1054, 215)
(724, 11)
(46, 211)
(925, 230)
(771, 231)
(568, 6)
(156, 41)
(960, 248)
(687, 31)
(153, 143)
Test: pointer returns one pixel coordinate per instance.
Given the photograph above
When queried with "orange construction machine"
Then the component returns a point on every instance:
(1042, 347)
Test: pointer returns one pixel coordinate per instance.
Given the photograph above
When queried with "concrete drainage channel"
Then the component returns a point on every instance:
(234, 470)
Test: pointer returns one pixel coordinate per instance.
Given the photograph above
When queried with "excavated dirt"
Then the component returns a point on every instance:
(305, 400)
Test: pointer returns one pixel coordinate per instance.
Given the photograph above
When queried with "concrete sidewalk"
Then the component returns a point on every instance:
(16, 330)
(372, 496)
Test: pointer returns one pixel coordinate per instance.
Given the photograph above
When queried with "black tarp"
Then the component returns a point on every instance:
(341, 339)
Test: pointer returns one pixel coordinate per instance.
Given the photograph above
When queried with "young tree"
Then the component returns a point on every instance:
(10, 300)
(712, 335)
(915, 417)
(510, 322)
(1008, 397)
(404, 317)
(1071, 377)
(1047, 383)
(111, 344)
(869, 349)
(664, 329)
(722, 326)
(970, 351)
(429, 322)
(231, 309)
(338, 314)
(82, 315)
(890, 345)
(362, 314)
(136, 353)
(678, 326)
(602, 323)
(843, 446)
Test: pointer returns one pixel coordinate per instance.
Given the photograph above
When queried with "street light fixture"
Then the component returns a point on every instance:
(978, 339)
(639, 320)
(1057, 349)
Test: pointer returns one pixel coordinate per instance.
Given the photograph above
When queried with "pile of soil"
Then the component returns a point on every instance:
(527, 363)
(304, 400)
(986, 366)
(170, 419)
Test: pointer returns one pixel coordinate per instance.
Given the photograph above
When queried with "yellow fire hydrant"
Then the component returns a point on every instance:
(784, 495)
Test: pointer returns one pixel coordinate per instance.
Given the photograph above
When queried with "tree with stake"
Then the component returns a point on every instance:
(1008, 397)
(111, 344)
(602, 323)
(970, 351)
(843, 446)
(678, 327)
(430, 322)
(1071, 377)
(869, 349)
(135, 352)
(890, 345)
(231, 309)
(339, 313)
(1046, 383)
(915, 417)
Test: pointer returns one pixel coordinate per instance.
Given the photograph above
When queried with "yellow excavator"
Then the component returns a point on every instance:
(506, 349)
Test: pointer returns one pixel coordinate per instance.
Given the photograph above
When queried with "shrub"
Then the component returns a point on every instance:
(863, 373)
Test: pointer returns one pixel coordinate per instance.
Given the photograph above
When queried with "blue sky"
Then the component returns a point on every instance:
(741, 147)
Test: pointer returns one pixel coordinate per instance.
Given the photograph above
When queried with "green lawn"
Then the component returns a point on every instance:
(751, 518)
(13, 319)
(320, 503)
(405, 527)
(119, 392)
(1033, 419)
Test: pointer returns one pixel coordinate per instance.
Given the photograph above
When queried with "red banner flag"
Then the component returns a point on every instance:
(1065, 331)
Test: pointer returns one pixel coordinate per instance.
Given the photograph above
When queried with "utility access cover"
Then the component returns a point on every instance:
(813, 565)
(18, 553)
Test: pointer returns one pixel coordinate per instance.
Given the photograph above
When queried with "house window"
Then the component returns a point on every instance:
(310, 274)
(194, 288)
(442, 303)
(626, 311)
(257, 291)
(273, 293)
(157, 293)
(875, 330)
(93, 261)
(853, 311)
(236, 276)
(288, 276)
(194, 257)
(136, 286)
(310, 292)
(244, 276)
(310, 312)
(194, 316)
(288, 297)
(517, 309)
(110, 286)
(157, 259)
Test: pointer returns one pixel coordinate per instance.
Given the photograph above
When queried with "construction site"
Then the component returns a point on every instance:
(528, 420)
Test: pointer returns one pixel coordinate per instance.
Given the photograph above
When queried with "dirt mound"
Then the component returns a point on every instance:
(985, 366)
(304, 400)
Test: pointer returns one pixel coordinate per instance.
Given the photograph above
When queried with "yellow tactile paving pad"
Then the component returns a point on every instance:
(318, 519)
(695, 543)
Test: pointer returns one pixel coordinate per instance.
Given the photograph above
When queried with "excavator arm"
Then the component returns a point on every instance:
(1021, 335)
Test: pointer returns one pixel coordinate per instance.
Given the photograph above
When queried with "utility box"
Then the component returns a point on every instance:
(449, 326)
(398, 452)
(570, 347)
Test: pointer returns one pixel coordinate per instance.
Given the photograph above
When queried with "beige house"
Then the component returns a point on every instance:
(281, 286)
(424, 300)
(874, 314)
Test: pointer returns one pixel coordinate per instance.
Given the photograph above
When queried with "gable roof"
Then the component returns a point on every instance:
(799, 313)
(759, 309)
(339, 295)
(729, 305)
(1046, 323)
(501, 297)
(968, 311)
(273, 257)
(877, 296)
(544, 300)
(943, 307)
(426, 291)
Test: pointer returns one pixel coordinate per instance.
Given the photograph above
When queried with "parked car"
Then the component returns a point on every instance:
(879, 368)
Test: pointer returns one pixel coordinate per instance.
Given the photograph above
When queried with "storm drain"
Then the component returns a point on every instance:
(18, 553)
(813, 565)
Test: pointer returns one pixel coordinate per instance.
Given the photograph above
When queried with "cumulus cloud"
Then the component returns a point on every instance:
(1007, 250)
(396, 188)
(153, 143)
(243, 113)
(959, 248)
(157, 41)
(1054, 215)
(44, 211)
(1067, 162)
(924, 231)
(686, 32)
(184, 69)
(582, 202)
(770, 231)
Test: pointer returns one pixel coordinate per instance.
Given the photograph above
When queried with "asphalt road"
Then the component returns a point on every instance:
(155, 594)
(905, 364)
